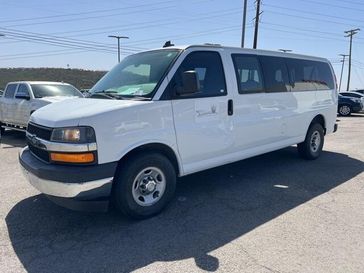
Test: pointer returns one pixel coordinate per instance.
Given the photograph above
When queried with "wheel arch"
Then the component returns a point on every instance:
(157, 147)
(321, 120)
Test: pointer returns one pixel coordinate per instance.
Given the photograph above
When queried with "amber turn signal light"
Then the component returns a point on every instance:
(73, 158)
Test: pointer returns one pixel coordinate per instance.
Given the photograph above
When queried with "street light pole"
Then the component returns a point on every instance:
(118, 37)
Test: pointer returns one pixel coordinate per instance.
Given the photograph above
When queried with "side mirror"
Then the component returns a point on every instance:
(190, 83)
(23, 97)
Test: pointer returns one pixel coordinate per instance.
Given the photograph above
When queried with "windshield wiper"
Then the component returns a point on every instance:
(110, 94)
(132, 97)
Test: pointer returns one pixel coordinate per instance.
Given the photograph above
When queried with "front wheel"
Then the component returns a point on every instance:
(344, 110)
(144, 185)
(2, 130)
(311, 148)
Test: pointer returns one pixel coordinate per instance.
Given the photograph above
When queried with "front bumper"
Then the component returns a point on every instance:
(358, 107)
(70, 186)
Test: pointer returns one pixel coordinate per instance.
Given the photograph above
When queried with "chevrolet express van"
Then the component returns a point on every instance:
(174, 111)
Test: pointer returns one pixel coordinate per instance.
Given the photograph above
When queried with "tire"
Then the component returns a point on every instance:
(344, 110)
(311, 148)
(144, 185)
(2, 130)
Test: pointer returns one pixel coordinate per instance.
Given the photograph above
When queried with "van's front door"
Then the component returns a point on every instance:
(202, 123)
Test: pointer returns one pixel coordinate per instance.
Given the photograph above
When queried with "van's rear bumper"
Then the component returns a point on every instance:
(74, 187)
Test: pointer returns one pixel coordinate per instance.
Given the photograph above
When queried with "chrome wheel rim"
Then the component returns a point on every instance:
(315, 141)
(344, 110)
(149, 186)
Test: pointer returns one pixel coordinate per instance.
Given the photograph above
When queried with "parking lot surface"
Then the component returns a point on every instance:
(271, 213)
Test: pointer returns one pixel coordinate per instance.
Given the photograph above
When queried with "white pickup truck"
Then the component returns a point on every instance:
(171, 112)
(21, 99)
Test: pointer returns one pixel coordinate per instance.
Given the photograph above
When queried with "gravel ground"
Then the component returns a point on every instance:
(271, 213)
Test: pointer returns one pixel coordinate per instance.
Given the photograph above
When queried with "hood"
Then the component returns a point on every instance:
(56, 99)
(69, 112)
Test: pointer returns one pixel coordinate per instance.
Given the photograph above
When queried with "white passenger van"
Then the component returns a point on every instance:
(174, 111)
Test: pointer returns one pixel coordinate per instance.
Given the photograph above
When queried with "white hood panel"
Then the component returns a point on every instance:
(70, 112)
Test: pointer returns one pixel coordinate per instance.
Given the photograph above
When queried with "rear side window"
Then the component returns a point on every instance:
(308, 75)
(303, 74)
(324, 80)
(10, 91)
(209, 69)
(275, 74)
(248, 74)
(22, 90)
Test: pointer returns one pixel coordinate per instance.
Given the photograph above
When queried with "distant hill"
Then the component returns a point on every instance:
(82, 79)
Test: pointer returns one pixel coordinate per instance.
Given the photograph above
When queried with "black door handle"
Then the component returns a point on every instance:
(230, 107)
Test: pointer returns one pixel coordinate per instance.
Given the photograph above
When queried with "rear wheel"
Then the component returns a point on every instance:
(344, 110)
(311, 148)
(144, 185)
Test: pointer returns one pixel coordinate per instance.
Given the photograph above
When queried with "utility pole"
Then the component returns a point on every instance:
(118, 37)
(350, 33)
(256, 24)
(342, 68)
(244, 23)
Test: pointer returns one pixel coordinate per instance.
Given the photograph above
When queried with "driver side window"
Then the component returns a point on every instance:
(209, 69)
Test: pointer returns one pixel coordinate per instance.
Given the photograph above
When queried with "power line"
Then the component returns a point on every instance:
(309, 18)
(358, 76)
(306, 30)
(82, 13)
(149, 24)
(59, 39)
(300, 34)
(314, 13)
(91, 17)
(349, 2)
(58, 43)
(332, 5)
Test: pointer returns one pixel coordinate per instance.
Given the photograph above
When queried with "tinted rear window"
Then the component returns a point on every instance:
(306, 75)
(275, 74)
(248, 74)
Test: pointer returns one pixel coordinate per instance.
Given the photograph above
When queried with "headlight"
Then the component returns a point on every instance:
(74, 135)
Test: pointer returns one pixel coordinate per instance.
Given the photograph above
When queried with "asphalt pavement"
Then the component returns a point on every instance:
(271, 213)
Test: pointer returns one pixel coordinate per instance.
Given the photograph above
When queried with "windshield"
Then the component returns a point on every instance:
(53, 90)
(137, 75)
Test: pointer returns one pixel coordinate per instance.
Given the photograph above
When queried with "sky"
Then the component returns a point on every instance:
(74, 33)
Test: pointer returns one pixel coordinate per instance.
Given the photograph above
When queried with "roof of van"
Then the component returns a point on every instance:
(38, 82)
(249, 51)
